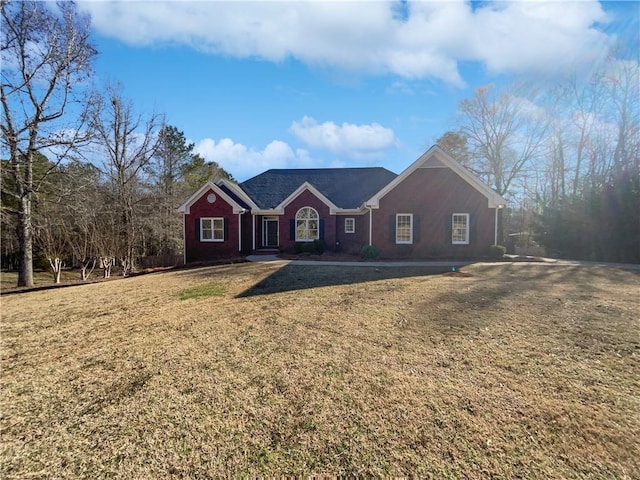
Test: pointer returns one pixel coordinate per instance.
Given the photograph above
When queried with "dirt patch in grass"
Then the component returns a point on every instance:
(517, 371)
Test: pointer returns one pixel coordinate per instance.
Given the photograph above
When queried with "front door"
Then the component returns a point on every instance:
(270, 232)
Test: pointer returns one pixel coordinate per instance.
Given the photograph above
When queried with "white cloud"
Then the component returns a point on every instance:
(243, 162)
(424, 40)
(346, 140)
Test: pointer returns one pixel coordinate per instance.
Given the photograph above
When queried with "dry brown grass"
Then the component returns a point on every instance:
(516, 371)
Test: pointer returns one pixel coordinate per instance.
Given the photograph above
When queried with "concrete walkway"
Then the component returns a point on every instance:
(545, 261)
(276, 259)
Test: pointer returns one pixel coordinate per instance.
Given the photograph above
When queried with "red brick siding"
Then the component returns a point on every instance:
(204, 251)
(306, 199)
(352, 242)
(432, 195)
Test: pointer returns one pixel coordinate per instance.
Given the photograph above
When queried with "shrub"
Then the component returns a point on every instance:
(370, 252)
(303, 247)
(497, 251)
(317, 246)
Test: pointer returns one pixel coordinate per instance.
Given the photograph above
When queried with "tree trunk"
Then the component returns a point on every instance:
(25, 240)
(56, 266)
(86, 268)
(106, 263)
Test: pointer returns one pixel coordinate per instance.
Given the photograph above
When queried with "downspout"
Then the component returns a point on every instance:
(240, 232)
(495, 226)
(370, 226)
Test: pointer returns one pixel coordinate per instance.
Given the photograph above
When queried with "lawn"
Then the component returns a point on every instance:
(511, 370)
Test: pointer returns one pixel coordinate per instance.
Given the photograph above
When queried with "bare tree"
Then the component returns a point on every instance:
(82, 196)
(622, 80)
(52, 236)
(505, 134)
(46, 54)
(127, 142)
(456, 145)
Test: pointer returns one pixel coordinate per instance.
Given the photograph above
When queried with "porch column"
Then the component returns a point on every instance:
(240, 232)
(495, 226)
(253, 231)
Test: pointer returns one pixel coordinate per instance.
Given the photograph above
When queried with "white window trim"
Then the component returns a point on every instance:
(466, 240)
(405, 242)
(213, 229)
(298, 239)
(353, 225)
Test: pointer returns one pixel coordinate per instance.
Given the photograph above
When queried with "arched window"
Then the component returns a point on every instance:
(307, 225)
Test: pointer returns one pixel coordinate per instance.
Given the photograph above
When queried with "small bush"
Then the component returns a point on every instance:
(497, 252)
(304, 247)
(319, 246)
(370, 252)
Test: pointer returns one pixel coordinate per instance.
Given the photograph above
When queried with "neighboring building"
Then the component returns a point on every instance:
(435, 207)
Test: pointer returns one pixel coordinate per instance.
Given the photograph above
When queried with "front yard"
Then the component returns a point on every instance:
(513, 370)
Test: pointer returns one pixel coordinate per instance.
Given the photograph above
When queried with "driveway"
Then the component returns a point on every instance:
(451, 263)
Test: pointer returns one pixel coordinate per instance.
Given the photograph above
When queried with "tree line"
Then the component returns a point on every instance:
(88, 180)
(566, 158)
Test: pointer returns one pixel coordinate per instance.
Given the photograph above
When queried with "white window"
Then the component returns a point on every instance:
(212, 229)
(349, 225)
(460, 228)
(404, 228)
(307, 223)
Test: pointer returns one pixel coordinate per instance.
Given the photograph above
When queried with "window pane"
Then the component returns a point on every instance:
(306, 224)
(403, 228)
(349, 225)
(205, 229)
(218, 229)
(460, 228)
(301, 229)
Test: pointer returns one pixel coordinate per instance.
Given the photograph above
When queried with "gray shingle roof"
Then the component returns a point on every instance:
(345, 187)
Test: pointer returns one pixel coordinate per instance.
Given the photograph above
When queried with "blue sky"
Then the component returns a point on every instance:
(258, 85)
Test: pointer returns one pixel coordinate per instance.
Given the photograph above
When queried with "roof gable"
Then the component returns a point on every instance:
(435, 157)
(304, 187)
(186, 206)
(342, 188)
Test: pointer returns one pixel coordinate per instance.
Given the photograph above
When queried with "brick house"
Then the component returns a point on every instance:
(436, 207)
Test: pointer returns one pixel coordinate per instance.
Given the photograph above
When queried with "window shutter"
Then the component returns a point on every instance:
(448, 240)
(226, 229)
(292, 229)
(197, 229)
(321, 230)
(392, 228)
(416, 228)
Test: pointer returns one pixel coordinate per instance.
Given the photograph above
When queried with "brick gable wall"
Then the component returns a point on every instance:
(432, 195)
(197, 251)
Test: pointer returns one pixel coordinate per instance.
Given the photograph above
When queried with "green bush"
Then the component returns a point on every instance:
(497, 251)
(317, 246)
(370, 252)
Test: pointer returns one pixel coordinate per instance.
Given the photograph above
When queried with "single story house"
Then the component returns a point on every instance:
(435, 207)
